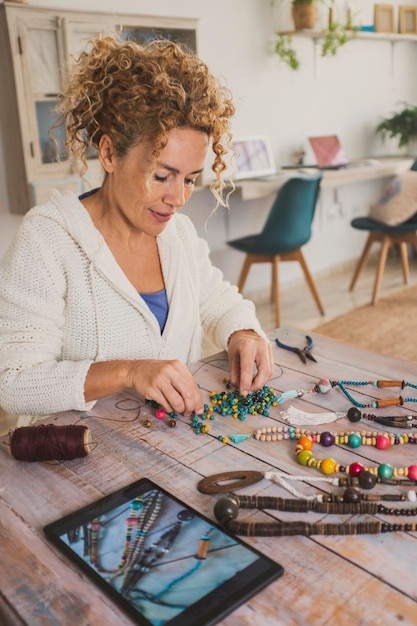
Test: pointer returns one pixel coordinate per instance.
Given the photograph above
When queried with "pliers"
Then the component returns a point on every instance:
(304, 353)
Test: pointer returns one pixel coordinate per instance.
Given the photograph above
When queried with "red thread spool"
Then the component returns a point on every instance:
(47, 442)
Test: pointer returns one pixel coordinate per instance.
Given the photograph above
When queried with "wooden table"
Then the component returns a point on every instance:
(363, 579)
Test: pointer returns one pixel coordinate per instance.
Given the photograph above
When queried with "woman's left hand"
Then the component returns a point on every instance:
(250, 361)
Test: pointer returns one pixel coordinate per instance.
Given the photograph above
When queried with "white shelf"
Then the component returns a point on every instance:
(317, 36)
(372, 36)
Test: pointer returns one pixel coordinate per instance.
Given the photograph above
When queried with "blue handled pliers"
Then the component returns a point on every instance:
(303, 353)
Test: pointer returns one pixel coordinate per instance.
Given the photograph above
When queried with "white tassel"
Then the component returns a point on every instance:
(295, 417)
(281, 479)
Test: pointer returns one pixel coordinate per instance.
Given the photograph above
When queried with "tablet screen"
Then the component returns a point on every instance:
(159, 559)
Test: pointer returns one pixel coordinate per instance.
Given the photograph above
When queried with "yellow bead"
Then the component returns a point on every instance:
(205, 428)
(225, 440)
(328, 466)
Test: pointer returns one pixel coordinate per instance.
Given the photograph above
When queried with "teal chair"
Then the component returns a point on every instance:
(400, 235)
(286, 230)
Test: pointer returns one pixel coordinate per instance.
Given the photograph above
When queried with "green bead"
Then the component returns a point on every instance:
(304, 456)
(355, 440)
(385, 471)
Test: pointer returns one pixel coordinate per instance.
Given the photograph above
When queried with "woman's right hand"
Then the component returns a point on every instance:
(169, 383)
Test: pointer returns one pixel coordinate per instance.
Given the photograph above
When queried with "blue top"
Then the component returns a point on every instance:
(158, 304)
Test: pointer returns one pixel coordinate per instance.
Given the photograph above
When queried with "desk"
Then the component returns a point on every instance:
(384, 168)
(364, 579)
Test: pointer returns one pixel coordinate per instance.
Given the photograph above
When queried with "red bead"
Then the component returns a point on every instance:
(382, 442)
(355, 469)
(412, 472)
(160, 414)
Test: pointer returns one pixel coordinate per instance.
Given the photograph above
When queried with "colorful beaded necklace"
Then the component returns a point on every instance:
(325, 385)
(329, 466)
(97, 524)
(142, 516)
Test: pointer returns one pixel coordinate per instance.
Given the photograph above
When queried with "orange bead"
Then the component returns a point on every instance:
(306, 443)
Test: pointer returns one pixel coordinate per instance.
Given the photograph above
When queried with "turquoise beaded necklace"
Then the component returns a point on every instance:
(325, 385)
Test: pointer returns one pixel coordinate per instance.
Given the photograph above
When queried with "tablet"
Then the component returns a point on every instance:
(159, 559)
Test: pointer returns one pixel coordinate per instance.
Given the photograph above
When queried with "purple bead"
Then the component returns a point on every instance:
(326, 439)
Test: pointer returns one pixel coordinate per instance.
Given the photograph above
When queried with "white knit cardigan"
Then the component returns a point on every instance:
(65, 303)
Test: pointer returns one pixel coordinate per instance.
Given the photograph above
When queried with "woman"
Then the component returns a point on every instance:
(114, 290)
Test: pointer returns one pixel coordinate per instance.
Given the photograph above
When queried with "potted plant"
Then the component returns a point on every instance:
(333, 37)
(304, 13)
(402, 125)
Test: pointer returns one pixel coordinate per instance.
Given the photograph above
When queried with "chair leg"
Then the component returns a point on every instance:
(310, 281)
(363, 259)
(244, 272)
(275, 289)
(386, 243)
(404, 261)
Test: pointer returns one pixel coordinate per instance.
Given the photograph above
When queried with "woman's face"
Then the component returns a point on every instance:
(145, 194)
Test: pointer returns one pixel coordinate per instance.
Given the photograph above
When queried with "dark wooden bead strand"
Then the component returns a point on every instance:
(226, 511)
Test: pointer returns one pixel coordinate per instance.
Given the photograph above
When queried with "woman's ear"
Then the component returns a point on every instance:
(106, 153)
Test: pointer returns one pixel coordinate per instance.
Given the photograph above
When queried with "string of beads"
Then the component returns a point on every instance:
(324, 386)
(226, 511)
(136, 507)
(329, 466)
(354, 439)
(230, 402)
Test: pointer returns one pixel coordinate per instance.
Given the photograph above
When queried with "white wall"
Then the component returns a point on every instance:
(347, 94)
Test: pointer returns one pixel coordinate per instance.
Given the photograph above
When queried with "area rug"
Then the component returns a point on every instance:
(389, 327)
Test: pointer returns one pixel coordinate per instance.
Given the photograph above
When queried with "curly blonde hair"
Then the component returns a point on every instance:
(137, 93)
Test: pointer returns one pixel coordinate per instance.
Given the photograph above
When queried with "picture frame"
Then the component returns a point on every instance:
(384, 18)
(408, 20)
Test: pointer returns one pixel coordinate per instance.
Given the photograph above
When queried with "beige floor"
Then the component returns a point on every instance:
(299, 309)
